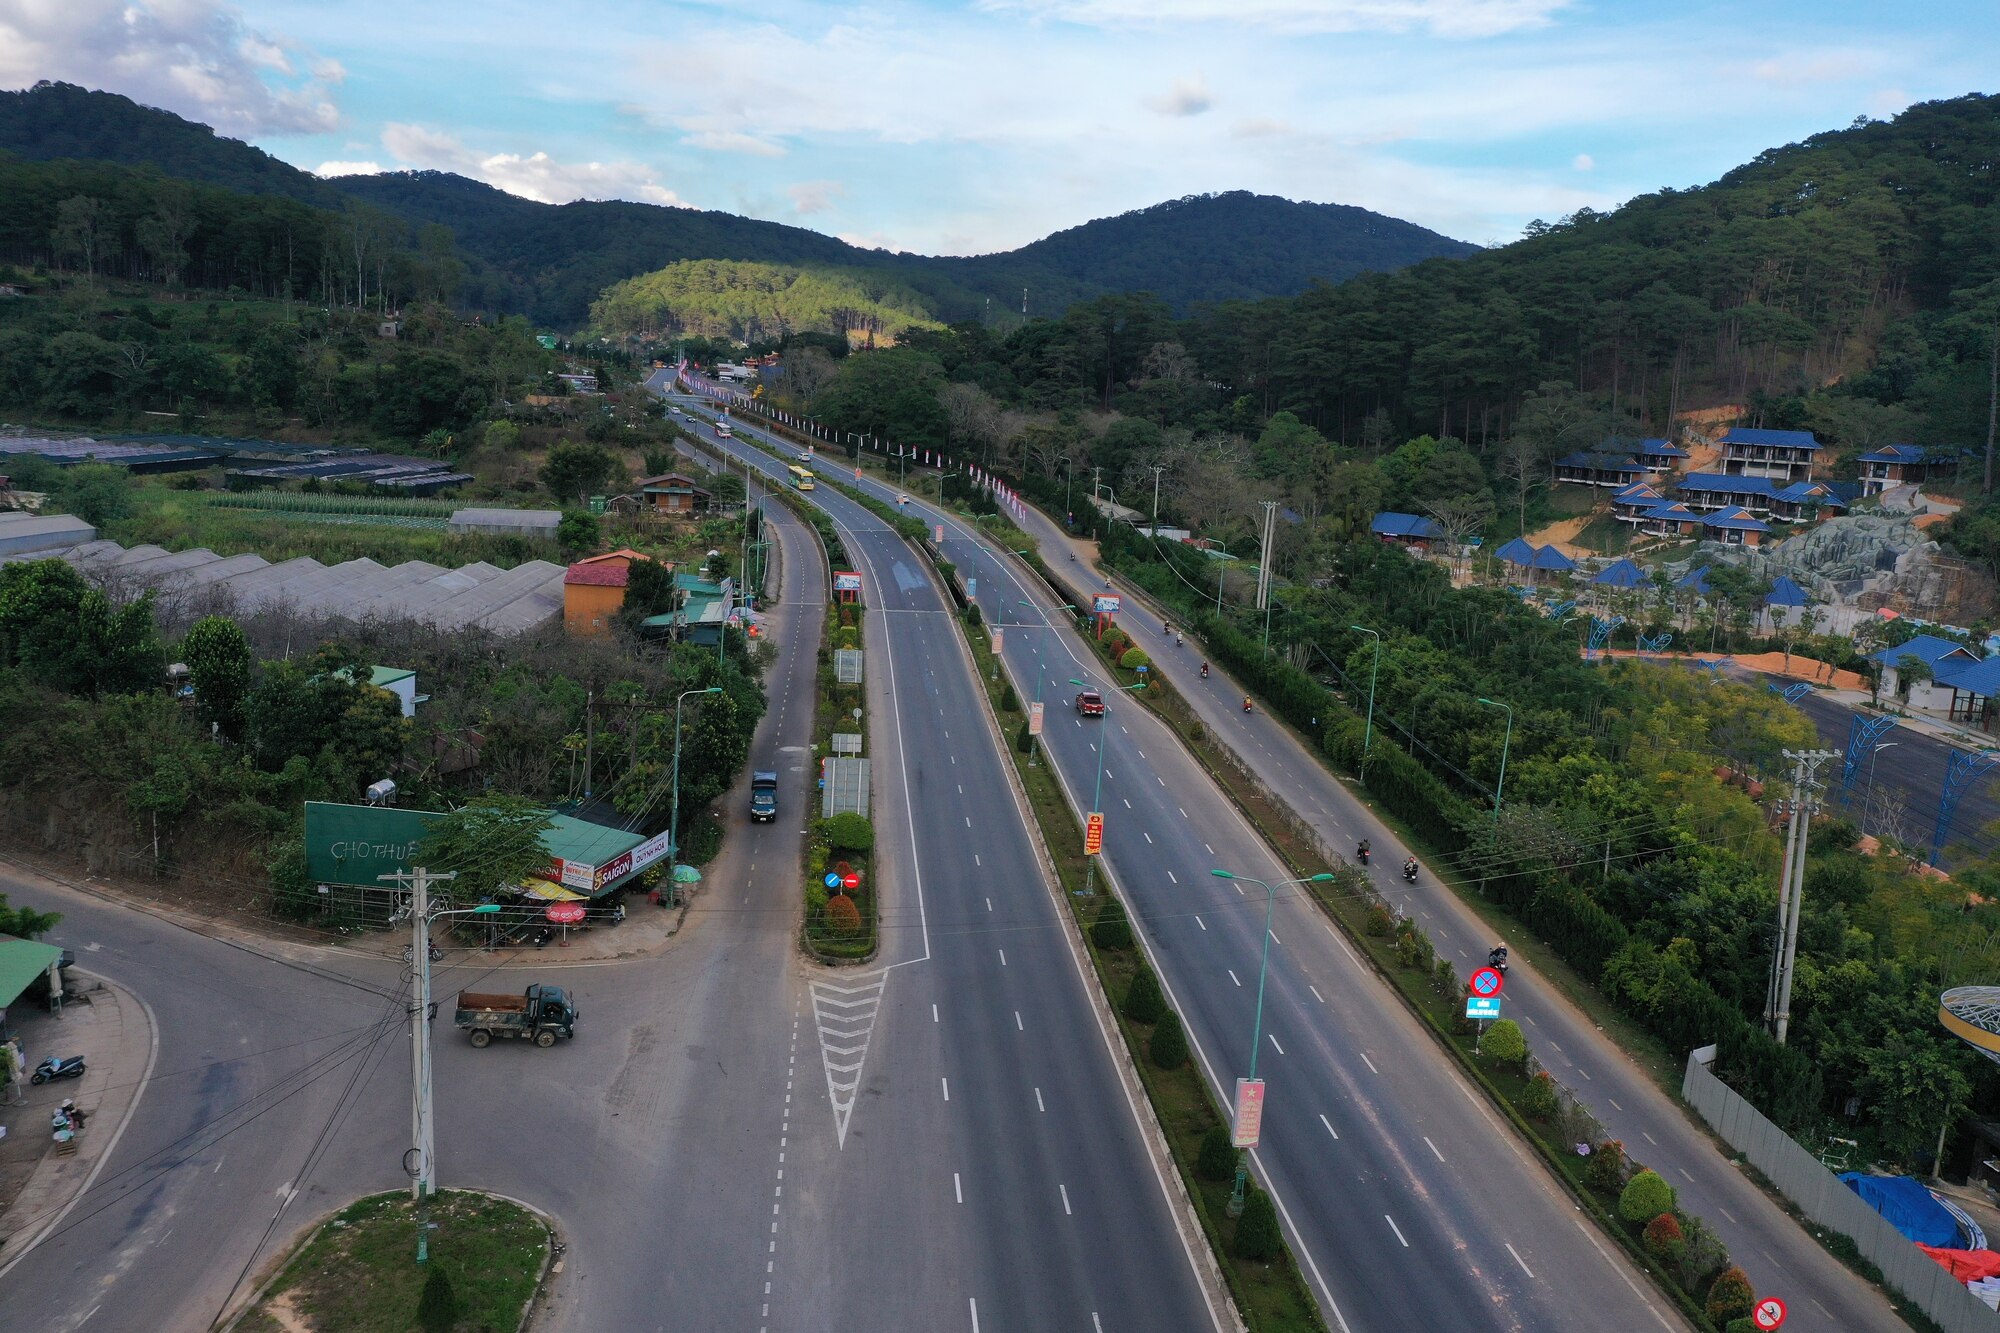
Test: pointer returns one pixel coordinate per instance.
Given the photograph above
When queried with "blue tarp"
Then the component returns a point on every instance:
(1906, 1205)
(1624, 574)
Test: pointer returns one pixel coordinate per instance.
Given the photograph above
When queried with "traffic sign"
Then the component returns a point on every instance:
(1487, 982)
(851, 880)
(1093, 833)
(1249, 1113)
(831, 880)
(1769, 1313)
(1477, 1006)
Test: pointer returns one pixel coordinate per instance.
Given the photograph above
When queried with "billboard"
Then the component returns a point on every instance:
(846, 580)
(627, 863)
(1105, 603)
(354, 844)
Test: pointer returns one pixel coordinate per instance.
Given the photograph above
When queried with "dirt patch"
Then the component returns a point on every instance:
(1562, 535)
(1799, 668)
(282, 1311)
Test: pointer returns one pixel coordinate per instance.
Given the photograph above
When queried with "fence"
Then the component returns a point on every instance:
(1818, 1194)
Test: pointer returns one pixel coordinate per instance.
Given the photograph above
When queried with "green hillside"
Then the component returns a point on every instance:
(747, 302)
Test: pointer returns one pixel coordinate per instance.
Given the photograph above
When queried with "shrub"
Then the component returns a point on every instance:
(1257, 1235)
(1646, 1196)
(1730, 1296)
(1413, 947)
(1169, 1047)
(850, 832)
(1444, 978)
(842, 916)
(1504, 1042)
(1116, 641)
(1664, 1240)
(1379, 922)
(1009, 701)
(1218, 1155)
(816, 899)
(1111, 931)
(577, 531)
(1539, 1098)
(437, 1308)
(972, 616)
(1144, 1002)
(506, 435)
(1134, 658)
(1606, 1168)
(1024, 739)
(1743, 1325)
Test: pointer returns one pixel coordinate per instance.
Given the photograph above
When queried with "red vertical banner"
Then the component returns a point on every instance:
(1093, 833)
(1249, 1125)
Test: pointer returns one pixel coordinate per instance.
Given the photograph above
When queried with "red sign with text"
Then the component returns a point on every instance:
(1093, 833)
(1249, 1112)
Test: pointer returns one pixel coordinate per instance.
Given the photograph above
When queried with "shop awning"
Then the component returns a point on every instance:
(548, 891)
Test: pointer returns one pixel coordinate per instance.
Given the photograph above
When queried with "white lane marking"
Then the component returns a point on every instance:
(1586, 1073)
(1433, 1147)
(946, 1084)
(975, 1313)
(1329, 1127)
(1519, 1260)
(958, 1191)
(1038, 1102)
(1315, 990)
(1606, 1256)
(1556, 1045)
(1649, 1138)
(1614, 1105)
(1684, 1174)
(1274, 1041)
(1172, 876)
(934, 1016)
(1065, 1199)
(1199, 922)
(1184, 813)
(1147, 836)
(989, 904)
(1275, 939)
(1017, 1022)
(845, 1017)
(1366, 1061)
(1210, 850)
(1725, 1212)
(1003, 958)
(1398, 1230)
(1232, 975)
(1128, 804)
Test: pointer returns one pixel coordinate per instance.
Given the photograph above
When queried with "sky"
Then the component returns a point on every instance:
(968, 126)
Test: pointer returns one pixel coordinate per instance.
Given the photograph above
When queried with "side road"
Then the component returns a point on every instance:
(1777, 1254)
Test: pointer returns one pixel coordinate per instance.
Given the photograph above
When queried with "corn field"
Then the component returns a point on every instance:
(299, 502)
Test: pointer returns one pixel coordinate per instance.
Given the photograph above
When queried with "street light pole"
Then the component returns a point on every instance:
(674, 826)
(1500, 787)
(1097, 792)
(1368, 730)
(1236, 1194)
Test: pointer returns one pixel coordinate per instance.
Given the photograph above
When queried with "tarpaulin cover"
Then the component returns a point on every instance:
(1907, 1206)
(1966, 1265)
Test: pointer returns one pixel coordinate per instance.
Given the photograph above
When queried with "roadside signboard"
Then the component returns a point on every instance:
(1487, 982)
(937, 533)
(846, 580)
(1768, 1313)
(1105, 603)
(1249, 1112)
(999, 639)
(972, 590)
(1477, 1006)
(1093, 833)
(1034, 719)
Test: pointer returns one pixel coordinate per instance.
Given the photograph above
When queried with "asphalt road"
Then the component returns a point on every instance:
(1410, 1203)
(990, 1133)
(1779, 1257)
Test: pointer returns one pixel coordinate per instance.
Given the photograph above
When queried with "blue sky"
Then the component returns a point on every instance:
(974, 125)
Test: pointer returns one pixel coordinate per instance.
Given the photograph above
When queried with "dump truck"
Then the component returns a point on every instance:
(763, 797)
(539, 1013)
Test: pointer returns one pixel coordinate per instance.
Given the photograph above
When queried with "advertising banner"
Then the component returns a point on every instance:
(1249, 1125)
(845, 580)
(1105, 603)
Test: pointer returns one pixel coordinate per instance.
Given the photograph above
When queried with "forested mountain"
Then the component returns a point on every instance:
(550, 261)
(741, 302)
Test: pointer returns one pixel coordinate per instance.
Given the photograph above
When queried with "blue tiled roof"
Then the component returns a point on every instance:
(1405, 525)
(1699, 482)
(1624, 574)
(1638, 490)
(1812, 492)
(1660, 449)
(1981, 678)
(1895, 453)
(1517, 552)
(1735, 520)
(1785, 592)
(1676, 512)
(1926, 648)
(1550, 558)
(1694, 578)
(1790, 439)
(1601, 462)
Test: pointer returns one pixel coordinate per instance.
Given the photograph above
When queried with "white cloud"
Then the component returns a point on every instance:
(729, 141)
(533, 176)
(338, 168)
(1441, 18)
(1583, 162)
(1188, 97)
(816, 196)
(194, 57)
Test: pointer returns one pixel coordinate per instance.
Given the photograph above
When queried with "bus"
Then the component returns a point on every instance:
(802, 477)
(722, 428)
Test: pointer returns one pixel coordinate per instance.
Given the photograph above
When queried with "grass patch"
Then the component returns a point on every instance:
(358, 1273)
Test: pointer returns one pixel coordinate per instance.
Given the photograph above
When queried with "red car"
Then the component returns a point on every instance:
(1090, 703)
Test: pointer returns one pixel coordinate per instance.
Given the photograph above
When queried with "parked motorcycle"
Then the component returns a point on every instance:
(68, 1066)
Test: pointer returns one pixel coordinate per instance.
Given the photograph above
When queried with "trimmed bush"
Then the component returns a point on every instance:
(1111, 931)
(437, 1308)
(1539, 1099)
(972, 616)
(1606, 1168)
(1646, 1196)
(1503, 1042)
(1730, 1296)
(842, 916)
(1134, 658)
(1024, 740)
(850, 832)
(1217, 1161)
(1444, 978)
(1169, 1047)
(1144, 1003)
(1664, 1240)
(1009, 701)
(1257, 1235)
(816, 900)
(1379, 921)
(1743, 1325)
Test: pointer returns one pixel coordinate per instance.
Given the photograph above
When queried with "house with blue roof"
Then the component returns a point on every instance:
(1600, 469)
(1784, 455)
(1718, 490)
(1946, 658)
(1808, 501)
(1659, 455)
(1895, 465)
(1734, 527)
(1629, 502)
(1406, 529)
(1974, 686)
(1670, 519)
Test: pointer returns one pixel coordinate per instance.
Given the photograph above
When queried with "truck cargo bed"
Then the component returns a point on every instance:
(517, 1004)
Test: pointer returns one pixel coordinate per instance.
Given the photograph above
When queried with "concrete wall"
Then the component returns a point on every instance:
(1819, 1194)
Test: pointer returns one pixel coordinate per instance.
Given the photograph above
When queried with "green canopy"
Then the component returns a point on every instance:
(21, 961)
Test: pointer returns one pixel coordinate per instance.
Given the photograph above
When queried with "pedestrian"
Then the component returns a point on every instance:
(76, 1115)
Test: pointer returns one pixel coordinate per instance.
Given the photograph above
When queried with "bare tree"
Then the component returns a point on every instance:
(972, 419)
(807, 370)
(1170, 361)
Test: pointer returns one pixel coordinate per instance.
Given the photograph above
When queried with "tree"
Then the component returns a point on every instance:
(501, 435)
(849, 832)
(1730, 1296)
(574, 471)
(1144, 1002)
(1645, 1197)
(491, 842)
(1912, 1084)
(437, 1308)
(97, 493)
(1169, 1047)
(26, 923)
(1111, 931)
(576, 533)
(163, 233)
(1257, 1235)
(84, 230)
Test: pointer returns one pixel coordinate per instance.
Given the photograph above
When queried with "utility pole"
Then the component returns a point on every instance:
(1157, 470)
(421, 1160)
(1791, 889)
(589, 737)
(1264, 563)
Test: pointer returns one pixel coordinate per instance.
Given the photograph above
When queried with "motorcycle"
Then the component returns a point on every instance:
(1409, 872)
(1497, 960)
(68, 1066)
(1362, 852)
(1246, 705)
(410, 953)
(1204, 671)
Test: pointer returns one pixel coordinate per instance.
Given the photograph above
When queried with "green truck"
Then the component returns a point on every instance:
(539, 1013)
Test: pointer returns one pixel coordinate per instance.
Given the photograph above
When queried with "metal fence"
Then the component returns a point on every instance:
(1818, 1194)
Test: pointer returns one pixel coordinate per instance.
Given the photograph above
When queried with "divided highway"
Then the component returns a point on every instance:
(1411, 1204)
(990, 1171)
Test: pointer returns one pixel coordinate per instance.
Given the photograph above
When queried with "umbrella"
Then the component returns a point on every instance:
(565, 913)
(1517, 552)
(1624, 574)
(686, 875)
(1785, 592)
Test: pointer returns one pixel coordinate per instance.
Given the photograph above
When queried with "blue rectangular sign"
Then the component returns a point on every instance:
(1480, 1006)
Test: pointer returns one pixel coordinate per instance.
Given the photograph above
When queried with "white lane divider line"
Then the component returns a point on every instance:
(1315, 990)
(845, 1017)
(946, 1083)
(1366, 1061)
(1065, 1199)
(958, 1190)
(1017, 1022)
(1038, 1102)
(1398, 1230)
(1329, 1128)
(1519, 1260)
(1199, 922)
(1172, 876)
(1232, 975)
(1433, 1147)
(1274, 1041)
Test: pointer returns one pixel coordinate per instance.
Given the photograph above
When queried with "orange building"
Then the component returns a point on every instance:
(594, 590)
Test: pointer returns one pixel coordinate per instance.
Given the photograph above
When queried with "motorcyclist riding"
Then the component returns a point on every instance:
(1246, 703)
(1204, 671)
(1362, 851)
(1497, 959)
(1410, 870)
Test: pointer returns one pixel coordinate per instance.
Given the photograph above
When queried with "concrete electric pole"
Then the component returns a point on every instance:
(421, 1161)
(1791, 887)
